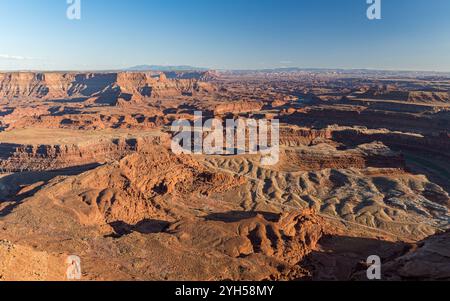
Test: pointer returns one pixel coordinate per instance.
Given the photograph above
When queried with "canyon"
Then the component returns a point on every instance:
(87, 170)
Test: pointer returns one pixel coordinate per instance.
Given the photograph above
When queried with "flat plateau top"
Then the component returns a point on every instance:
(37, 136)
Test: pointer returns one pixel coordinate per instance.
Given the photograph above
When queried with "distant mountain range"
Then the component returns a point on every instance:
(165, 68)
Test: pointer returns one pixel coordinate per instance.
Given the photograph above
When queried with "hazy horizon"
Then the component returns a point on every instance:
(198, 68)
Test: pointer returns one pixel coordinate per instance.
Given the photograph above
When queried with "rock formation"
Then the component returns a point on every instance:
(106, 87)
(87, 170)
(238, 107)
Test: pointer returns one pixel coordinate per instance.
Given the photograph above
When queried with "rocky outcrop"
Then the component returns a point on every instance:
(139, 85)
(322, 157)
(427, 260)
(429, 97)
(19, 158)
(126, 191)
(290, 136)
(278, 103)
(54, 85)
(323, 116)
(387, 93)
(287, 237)
(238, 107)
(435, 144)
(20, 119)
(105, 87)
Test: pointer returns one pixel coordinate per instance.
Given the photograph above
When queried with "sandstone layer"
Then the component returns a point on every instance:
(87, 170)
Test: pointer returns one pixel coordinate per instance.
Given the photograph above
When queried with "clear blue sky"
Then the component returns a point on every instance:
(413, 34)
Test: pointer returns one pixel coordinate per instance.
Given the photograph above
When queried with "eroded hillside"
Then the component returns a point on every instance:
(87, 170)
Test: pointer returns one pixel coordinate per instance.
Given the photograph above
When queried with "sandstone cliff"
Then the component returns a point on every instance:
(408, 96)
(19, 158)
(107, 87)
(238, 107)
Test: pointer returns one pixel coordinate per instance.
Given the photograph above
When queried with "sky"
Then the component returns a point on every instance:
(225, 34)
